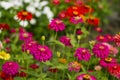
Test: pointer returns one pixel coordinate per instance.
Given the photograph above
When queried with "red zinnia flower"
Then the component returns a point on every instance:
(24, 15)
(53, 70)
(4, 26)
(93, 21)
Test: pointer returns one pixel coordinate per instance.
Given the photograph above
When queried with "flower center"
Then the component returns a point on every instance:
(86, 77)
(77, 18)
(58, 21)
(25, 13)
(74, 7)
(25, 35)
(108, 59)
(10, 64)
(101, 37)
(101, 47)
(42, 49)
(84, 51)
(75, 12)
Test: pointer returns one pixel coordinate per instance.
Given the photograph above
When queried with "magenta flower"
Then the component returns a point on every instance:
(65, 40)
(101, 38)
(85, 77)
(76, 20)
(30, 46)
(42, 54)
(57, 25)
(79, 32)
(82, 54)
(108, 62)
(100, 50)
(74, 66)
(25, 36)
(10, 68)
(109, 37)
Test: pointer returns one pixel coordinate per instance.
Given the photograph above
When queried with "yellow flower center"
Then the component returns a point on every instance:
(42, 49)
(25, 13)
(74, 7)
(77, 18)
(58, 21)
(108, 59)
(86, 77)
(25, 35)
(101, 47)
(101, 37)
(75, 12)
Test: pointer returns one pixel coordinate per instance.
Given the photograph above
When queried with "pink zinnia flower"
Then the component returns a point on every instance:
(85, 77)
(25, 36)
(74, 66)
(10, 68)
(100, 50)
(82, 54)
(57, 25)
(113, 50)
(30, 46)
(65, 40)
(76, 19)
(116, 39)
(108, 62)
(42, 54)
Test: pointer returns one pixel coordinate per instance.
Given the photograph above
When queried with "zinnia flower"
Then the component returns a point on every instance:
(101, 38)
(25, 36)
(82, 54)
(98, 68)
(116, 39)
(30, 46)
(10, 68)
(76, 19)
(108, 62)
(4, 76)
(24, 15)
(74, 66)
(93, 21)
(57, 25)
(42, 54)
(85, 77)
(100, 50)
(115, 70)
(65, 40)
(113, 50)
(4, 55)
(4, 26)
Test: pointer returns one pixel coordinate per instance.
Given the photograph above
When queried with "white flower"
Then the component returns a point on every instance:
(6, 5)
(38, 13)
(43, 3)
(23, 23)
(31, 9)
(33, 21)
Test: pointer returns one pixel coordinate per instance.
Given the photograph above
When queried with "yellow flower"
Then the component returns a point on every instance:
(4, 55)
(62, 60)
